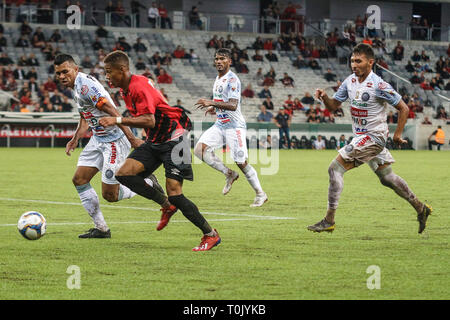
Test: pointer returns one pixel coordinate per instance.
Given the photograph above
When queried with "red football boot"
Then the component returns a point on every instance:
(208, 242)
(165, 216)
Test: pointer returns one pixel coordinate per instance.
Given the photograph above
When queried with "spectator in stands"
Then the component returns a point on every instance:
(101, 32)
(392, 118)
(164, 77)
(229, 43)
(439, 138)
(5, 60)
(298, 105)
(179, 52)
(397, 54)
(319, 144)
(268, 103)
(435, 85)
(416, 56)
(140, 64)
(257, 56)
(3, 42)
(264, 115)
(32, 61)
(283, 122)
(342, 142)
(165, 20)
(97, 45)
(409, 67)
(425, 85)
(167, 59)
(25, 29)
(50, 85)
(329, 76)
(179, 105)
(313, 64)
(287, 81)
(426, 121)
(19, 74)
(248, 91)
(300, 63)
(272, 57)
(194, 18)
(265, 92)
(139, 46)
(307, 99)
(259, 77)
(23, 61)
(268, 81)
(312, 118)
(266, 143)
(124, 44)
(56, 37)
(441, 114)
(156, 58)
(153, 14)
(148, 74)
(268, 44)
(258, 44)
(213, 43)
(11, 84)
(241, 67)
(359, 26)
(411, 107)
(32, 73)
(22, 42)
(424, 57)
(86, 63)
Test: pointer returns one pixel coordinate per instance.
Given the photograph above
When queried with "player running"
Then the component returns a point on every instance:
(368, 94)
(229, 128)
(107, 149)
(166, 127)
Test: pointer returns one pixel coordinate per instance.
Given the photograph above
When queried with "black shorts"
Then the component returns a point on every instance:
(172, 154)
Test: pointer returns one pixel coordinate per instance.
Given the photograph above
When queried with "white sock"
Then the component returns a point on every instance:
(126, 193)
(210, 158)
(252, 178)
(90, 202)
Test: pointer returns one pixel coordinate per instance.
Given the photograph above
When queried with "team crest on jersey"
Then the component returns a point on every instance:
(369, 84)
(220, 89)
(382, 85)
(84, 89)
(353, 80)
(365, 96)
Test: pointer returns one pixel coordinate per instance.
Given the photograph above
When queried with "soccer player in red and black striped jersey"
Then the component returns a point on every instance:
(166, 130)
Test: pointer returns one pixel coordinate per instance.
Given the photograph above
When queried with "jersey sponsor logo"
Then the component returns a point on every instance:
(84, 90)
(223, 118)
(175, 171)
(94, 99)
(353, 80)
(365, 96)
(112, 159)
(359, 104)
(95, 90)
(359, 112)
(239, 137)
(363, 141)
(369, 84)
(232, 80)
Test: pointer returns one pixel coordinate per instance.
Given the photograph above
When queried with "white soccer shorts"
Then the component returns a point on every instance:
(107, 157)
(215, 137)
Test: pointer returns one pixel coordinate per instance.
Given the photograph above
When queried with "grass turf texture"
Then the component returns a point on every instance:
(258, 259)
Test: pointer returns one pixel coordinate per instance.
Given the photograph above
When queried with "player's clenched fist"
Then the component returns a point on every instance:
(107, 121)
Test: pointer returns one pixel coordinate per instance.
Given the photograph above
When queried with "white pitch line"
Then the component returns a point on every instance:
(146, 209)
(143, 222)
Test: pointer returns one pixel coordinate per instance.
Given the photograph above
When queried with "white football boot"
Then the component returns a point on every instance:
(230, 178)
(260, 199)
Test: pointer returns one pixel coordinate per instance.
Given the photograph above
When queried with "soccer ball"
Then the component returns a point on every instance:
(32, 225)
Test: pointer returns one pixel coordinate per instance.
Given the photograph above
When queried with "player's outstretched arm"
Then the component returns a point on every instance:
(111, 110)
(79, 133)
(330, 103)
(403, 112)
(143, 121)
(231, 105)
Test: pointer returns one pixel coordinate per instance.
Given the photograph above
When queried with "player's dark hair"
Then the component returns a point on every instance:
(365, 49)
(61, 58)
(117, 58)
(224, 52)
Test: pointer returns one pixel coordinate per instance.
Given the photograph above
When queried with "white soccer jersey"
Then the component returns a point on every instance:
(225, 88)
(367, 101)
(88, 92)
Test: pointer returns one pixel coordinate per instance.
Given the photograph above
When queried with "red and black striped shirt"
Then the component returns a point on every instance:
(143, 98)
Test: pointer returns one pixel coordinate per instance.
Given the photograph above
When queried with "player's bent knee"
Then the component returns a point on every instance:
(79, 181)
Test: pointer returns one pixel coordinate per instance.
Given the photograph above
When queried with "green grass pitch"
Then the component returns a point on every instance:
(262, 254)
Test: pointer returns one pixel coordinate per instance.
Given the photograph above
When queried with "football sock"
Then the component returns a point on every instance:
(90, 202)
(214, 161)
(190, 211)
(389, 179)
(336, 174)
(252, 178)
(140, 186)
(126, 193)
